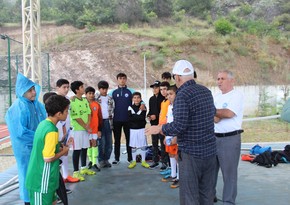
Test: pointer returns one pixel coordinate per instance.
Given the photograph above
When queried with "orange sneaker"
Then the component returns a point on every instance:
(70, 179)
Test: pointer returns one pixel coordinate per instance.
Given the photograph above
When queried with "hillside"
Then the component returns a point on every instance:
(101, 54)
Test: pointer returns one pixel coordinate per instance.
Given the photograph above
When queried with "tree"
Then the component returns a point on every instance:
(163, 8)
(129, 11)
(194, 7)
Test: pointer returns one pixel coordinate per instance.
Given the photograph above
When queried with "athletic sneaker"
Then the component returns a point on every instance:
(86, 171)
(95, 167)
(68, 191)
(165, 172)
(115, 162)
(102, 164)
(58, 200)
(108, 164)
(90, 164)
(78, 175)
(154, 165)
(70, 179)
(145, 164)
(175, 184)
(168, 179)
(132, 165)
(163, 167)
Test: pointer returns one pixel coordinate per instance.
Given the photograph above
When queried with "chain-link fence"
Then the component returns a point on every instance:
(16, 65)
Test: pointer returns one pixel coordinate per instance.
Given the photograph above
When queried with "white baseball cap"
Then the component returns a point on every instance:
(182, 67)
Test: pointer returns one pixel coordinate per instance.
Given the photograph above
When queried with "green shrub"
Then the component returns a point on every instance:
(223, 26)
(124, 27)
(158, 62)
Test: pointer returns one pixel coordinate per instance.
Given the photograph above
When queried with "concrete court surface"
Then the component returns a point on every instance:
(119, 185)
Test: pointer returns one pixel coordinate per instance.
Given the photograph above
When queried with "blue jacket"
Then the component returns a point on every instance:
(122, 97)
(22, 119)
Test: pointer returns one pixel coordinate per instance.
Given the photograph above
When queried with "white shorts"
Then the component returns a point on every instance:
(138, 138)
(93, 136)
(81, 139)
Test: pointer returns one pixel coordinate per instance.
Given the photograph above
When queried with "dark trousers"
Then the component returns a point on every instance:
(105, 143)
(164, 155)
(196, 179)
(117, 137)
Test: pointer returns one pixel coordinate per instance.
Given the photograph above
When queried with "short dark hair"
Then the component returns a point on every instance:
(76, 85)
(173, 88)
(47, 95)
(90, 89)
(55, 104)
(165, 84)
(166, 75)
(61, 82)
(136, 93)
(120, 75)
(103, 84)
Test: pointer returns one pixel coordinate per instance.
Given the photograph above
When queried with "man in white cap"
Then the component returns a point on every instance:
(193, 114)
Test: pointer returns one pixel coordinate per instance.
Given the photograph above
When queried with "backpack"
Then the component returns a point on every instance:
(264, 159)
(285, 113)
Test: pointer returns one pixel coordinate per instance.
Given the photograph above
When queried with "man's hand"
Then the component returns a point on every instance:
(216, 119)
(153, 130)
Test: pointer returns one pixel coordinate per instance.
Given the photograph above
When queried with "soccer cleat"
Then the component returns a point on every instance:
(132, 165)
(78, 175)
(71, 179)
(154, 165)
(145, 164)
(86, 171)
(90, 165)
(168, 178)
(175, 184)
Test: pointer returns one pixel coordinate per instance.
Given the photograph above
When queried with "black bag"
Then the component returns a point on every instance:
(265, 159)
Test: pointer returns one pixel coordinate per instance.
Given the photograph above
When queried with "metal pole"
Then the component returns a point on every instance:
(9, 72)
(48, 72)
(145, 82)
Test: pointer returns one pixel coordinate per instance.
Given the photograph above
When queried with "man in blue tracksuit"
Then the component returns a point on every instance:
(123, 99)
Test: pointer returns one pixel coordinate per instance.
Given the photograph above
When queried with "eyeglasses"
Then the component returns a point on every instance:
(173, 76)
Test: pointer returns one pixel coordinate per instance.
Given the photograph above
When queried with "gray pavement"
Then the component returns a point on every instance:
(119, 185)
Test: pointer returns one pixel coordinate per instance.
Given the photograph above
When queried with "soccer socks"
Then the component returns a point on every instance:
(94, 155)
(89, 153)
(173, 163)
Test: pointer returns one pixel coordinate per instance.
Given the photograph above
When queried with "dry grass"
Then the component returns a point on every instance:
(266, 131)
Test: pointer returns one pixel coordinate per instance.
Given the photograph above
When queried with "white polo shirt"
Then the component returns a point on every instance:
(234, 101)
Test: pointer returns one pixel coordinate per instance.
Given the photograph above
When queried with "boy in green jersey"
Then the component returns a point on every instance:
(42, 177)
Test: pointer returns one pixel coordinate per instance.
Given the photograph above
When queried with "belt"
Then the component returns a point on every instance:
(227, 134)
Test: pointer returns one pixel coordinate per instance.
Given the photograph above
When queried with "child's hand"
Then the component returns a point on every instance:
(65, 150)
(88, 128)
(174, 141)
(142, 107)
(70, 142)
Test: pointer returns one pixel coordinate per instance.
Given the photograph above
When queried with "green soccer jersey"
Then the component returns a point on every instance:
(43, 177)
(79, 109)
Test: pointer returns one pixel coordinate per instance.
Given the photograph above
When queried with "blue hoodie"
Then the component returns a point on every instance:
(22, 119)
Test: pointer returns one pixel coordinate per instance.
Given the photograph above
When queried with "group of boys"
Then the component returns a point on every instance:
(85, 125)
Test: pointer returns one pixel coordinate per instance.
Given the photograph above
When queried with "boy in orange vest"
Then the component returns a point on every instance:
(96, 126)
